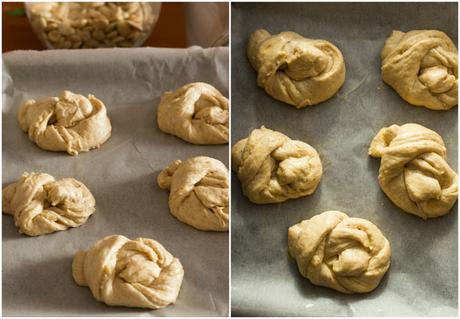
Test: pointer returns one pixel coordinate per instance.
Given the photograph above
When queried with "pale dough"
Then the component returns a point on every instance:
(70, 122)
(422, 66)
(273, 168)
(41, 205)
(296, 70)
(413, 171)
(196, 112)
(198, 192)
(132, 273)
(333, 250)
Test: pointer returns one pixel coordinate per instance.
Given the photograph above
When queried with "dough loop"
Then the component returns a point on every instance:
(41, 205)
(198, 192)
(422, 66)
(273, 168)
(131, 273)
(413, 171)
(70, 122)
(333, 250)
(196, 112)
(296, 70)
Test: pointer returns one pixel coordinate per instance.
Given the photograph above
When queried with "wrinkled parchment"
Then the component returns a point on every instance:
(422, 279)
(37, 279)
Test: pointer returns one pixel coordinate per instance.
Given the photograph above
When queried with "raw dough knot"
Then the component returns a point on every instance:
(70, 122)
(196, 112)
(132, 273)
(296, 70)
(40, 204)
(347, 254)
(273, 168)
(422, 66)
(413, 171)
(198, 192)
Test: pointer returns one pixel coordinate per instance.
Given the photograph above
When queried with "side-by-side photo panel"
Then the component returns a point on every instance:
(344, 158)
(115, 159)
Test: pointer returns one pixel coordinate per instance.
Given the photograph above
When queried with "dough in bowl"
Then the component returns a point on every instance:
(70, 122)
(273, 168)
(347, 254)
(41, 204)
(422, 66)
(196, 112)
(296, 70)
(132, 273)
(198, 192)
(413, 171)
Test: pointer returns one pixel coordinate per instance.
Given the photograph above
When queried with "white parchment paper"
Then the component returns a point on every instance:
(37, 279)
(423, 277)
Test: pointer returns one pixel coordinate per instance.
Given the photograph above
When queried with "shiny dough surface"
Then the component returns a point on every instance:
(132, 273)
(414, 172)
(71, 122)
(294, 69)
(347, 254)
(422, 66)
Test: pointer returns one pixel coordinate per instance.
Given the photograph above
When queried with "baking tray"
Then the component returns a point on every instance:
(423, 277)
(37, 277)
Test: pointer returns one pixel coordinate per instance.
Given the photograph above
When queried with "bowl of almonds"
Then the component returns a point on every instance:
(81, 25)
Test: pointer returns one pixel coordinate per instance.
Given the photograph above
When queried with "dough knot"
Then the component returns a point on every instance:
(273, 168)
(333, 250)
(196, 112)
(198, 192)
(40, 204)
(296, 70)
(413, 171)
(132, 273)
(70, 122)
(422, 66)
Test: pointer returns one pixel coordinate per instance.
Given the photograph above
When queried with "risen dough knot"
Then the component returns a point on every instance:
(421, 65)
(333, 250)
(196, 112)
(413, 171)
(199, 192)
(132, 273)
(273, 168)
(41, 205)
(296, 70)
(70, 122)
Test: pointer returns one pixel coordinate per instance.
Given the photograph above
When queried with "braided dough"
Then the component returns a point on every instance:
(196, 112)
(132, 273)
(41, 205)
(70, 122)
(333, 250)
(296, 70)
(413, 171)
(199, 192)
(421, 65)
(273, 168)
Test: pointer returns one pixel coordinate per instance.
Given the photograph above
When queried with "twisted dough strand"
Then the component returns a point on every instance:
(132, 273)
(413, 171)
(273, 168)
(350, 255)
(296, 70)
(196, 112)
(198, 192)
(41, 205)
(422, 66)
(70, 122)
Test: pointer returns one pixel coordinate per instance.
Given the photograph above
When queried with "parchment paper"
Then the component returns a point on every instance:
(422, 279)
(37, 278)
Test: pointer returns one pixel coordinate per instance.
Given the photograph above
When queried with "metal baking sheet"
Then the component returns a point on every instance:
(423, 277)
(37, 277)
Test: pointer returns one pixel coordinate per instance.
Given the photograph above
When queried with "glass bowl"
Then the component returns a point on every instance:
(77, 25)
